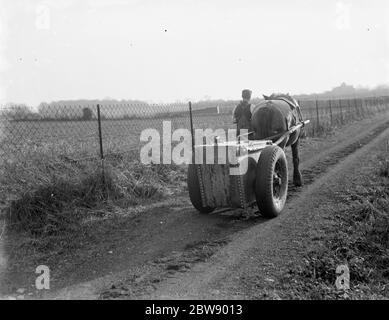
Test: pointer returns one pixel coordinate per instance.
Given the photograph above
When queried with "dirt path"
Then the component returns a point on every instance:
(248, 266)
(170, 246)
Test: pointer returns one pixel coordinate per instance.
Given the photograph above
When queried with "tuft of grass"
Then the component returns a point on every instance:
(55, 195)
(383, 163)
(51, 209)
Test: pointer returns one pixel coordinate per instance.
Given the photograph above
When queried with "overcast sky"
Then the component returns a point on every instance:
(188, 49)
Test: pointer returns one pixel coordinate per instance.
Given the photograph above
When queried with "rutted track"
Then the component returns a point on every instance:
(334, 158)
(247, 266)
(202, 236)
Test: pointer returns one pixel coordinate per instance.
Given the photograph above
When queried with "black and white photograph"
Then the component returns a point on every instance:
(194, 157)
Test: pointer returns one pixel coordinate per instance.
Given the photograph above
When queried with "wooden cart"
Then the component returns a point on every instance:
(263, 181)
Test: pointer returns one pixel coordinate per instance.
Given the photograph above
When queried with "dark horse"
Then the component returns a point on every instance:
(273, 117)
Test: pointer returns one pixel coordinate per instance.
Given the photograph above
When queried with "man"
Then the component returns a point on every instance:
(242, 112)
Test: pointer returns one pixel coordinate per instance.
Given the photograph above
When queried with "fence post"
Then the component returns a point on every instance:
(349, 108)
(363, 106)
(317, 115)
(101, 144)
(376, 104)
(330, 105)
(341, 111)
(362, 111)
(356, 107)
(191, 130)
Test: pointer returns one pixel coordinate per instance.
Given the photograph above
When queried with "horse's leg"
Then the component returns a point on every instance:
(297, 177)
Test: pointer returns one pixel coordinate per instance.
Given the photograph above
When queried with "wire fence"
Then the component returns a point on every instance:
(100, 131)
(327, 114)
(69, 142)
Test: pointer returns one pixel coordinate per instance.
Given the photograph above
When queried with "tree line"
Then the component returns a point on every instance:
(85, 110)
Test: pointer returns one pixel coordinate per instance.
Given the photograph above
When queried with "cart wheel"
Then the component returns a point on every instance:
(271, 185)
(194, 190)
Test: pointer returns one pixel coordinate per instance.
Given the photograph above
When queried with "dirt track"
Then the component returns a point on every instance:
(171, 251)
(250, 264)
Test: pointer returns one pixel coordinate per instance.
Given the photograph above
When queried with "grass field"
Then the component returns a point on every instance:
(79, 139)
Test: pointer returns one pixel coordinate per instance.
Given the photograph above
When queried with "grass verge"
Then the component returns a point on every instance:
(60, 205)
(358, 238)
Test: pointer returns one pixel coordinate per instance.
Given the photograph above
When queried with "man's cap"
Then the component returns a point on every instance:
(246, 94)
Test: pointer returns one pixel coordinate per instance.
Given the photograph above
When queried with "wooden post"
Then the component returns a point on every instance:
(356, 107)
(330, 105)
(363, 105)
(362, 112)
(191, 130)
(317, 115)
(349, 108)
(376, 104)
(341, 112)
(101, 144)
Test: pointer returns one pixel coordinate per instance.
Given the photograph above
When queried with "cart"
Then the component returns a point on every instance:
(263, 181)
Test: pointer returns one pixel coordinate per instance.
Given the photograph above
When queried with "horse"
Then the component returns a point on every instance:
(270, 119)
